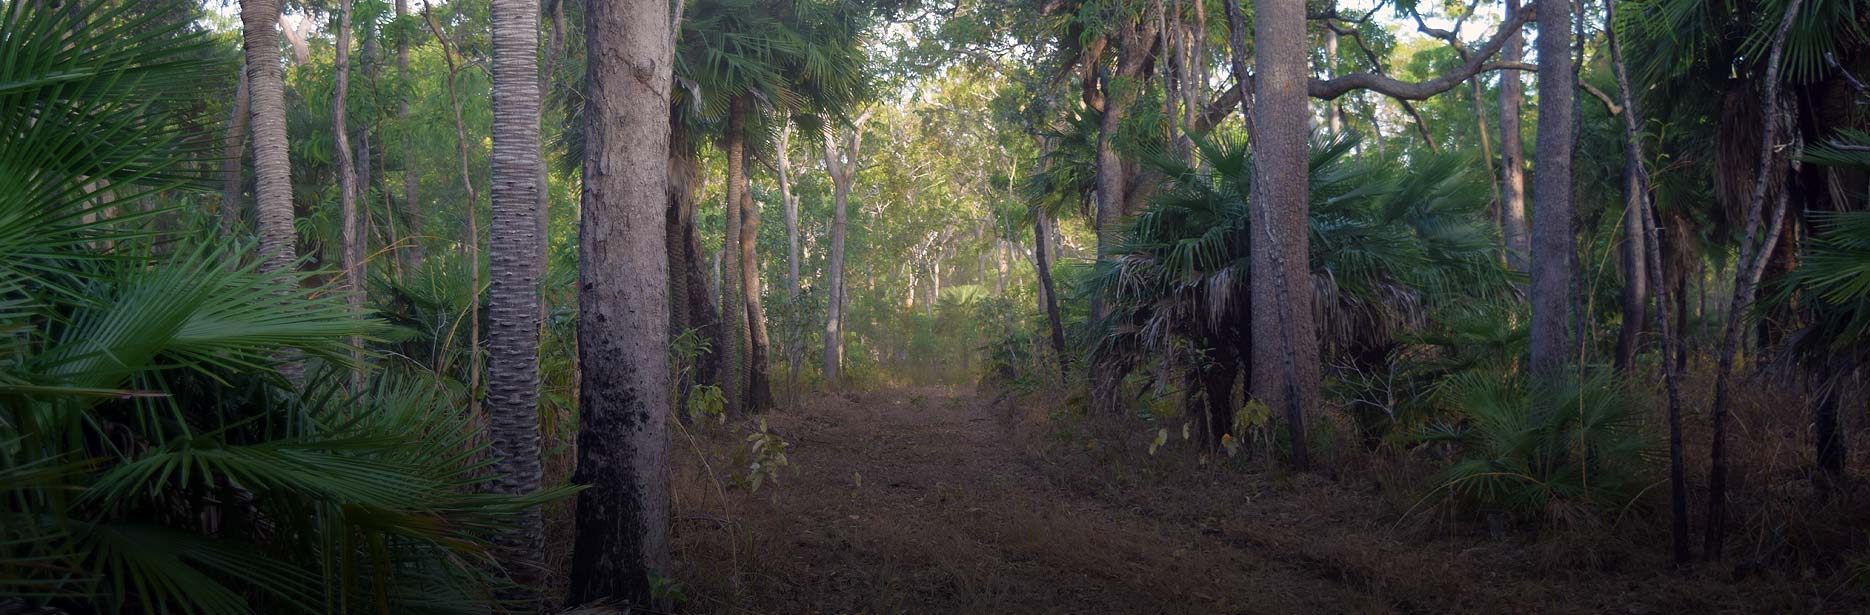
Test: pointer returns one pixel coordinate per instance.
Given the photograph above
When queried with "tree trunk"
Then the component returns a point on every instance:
(233, 147)
(1635, 274)
(1048, 294)
(623, 539)
(1119, 94)
(513, 296)
(1639, 209)
(1285, 375)
(1747, 270)
(1512, 153)
(841, 166)
(271, 167)
(759, 374)
(470, 247)
(351, 253)
(795, 345)
(412, 207)
(1552, 214)
(733, 300)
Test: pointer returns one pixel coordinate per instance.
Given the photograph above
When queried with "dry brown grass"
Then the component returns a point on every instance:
(934, 500)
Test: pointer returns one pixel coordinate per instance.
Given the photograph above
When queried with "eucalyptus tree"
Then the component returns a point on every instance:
(623, 535)
(513, 296)
(1512, 151)
(351, 253)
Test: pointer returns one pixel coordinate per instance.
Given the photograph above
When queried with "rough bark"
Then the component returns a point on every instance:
(1552, 211)
(1119, 94)
(513, 292)
(271, 166)
(1048, 294)
(1513, 153)
(1747, 272)
(623, 344)
(233, 148)
(1285, 374)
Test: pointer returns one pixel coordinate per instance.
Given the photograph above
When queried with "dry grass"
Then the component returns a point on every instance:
(934, 500)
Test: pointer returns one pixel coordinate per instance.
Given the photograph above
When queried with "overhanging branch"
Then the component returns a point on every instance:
(1329, 89)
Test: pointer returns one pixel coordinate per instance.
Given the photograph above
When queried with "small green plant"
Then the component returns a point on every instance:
(668, 589)
(705, 403)
(763, 457)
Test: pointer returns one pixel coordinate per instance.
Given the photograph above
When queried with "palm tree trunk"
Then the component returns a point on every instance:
(1280, 267)
(623, 331)
(733, 301)
(759, 347)
(513, 297)
(233, 147)
(272, 167)
(1512, 153)
(1552, 214)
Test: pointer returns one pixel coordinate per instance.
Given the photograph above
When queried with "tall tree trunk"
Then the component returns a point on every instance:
(233, 147)
(795, 345)
(272, 168)
(842, 167)
(1285, 375)
(1747, 272)
(733, 300)
(1640, 209)
(363, 159)
(1119, 95)
(1334, 117)
(513, 295)
(351, 253)
(1512, 153)
(412, 207)
(759, 347)
(1635, 274)
(1552, 213)
(623, 331)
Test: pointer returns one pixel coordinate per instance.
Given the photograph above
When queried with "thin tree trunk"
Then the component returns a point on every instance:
(1048, 296)
(470, 247)
(1747, 272)
(841, 166)
(1281, 210)
(1640, 209)
(513, 294)
(623, 539)
(1512, 153)
(733, 301)
(351, 254)
(1552, 213)
(759, 376)
(233, 148)
(795, 345)
(412, 207)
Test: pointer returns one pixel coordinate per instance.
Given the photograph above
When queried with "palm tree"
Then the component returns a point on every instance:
(513, 296)
(623, 538)
(266, 85)
(153, 463)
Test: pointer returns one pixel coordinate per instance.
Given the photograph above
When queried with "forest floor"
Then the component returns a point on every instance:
(939, 500)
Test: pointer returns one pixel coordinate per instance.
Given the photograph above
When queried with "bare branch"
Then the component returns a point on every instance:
(1330, 89)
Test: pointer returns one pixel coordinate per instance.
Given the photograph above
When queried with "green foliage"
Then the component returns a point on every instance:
(1575, 454)
(763, 457)
(151, 459)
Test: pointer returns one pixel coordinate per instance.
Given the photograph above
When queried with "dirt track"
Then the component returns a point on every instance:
(929, 501)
